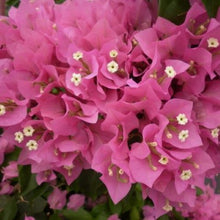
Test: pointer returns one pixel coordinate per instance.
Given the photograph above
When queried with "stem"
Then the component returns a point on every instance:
(2, 7)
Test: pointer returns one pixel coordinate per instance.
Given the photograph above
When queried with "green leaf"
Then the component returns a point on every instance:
(59, 1)
(9, 209)
(26, 179)
(55, 217)
(164, 217)
(174, 10)
(115, 208)
(32, 207)
(89, 184)
(100, 211)
(134, 214)
(199, 191)
(38, 191)
(13, 156)
(211, 6)
(76, 215)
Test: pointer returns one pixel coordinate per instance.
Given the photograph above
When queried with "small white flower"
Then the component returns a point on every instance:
(163, 160)
(77, 55)
(181, 119)
(186, 175)
(19, 137)
(183, 135)
(121, 172)
(32, 145)
(167, 207)
(112, 67)
(2, 109)
(213, 42)
(28, 131)
(76, 78)
(169, 70)
(215, 132)
(113, 53)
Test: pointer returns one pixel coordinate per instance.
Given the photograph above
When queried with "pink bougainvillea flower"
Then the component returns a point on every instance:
(10, 171)
(29, 218)
(76, 201)
(57, 199)
(115, 173)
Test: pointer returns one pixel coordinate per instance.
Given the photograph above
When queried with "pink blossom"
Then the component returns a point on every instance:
(76, 201)
(57, 199)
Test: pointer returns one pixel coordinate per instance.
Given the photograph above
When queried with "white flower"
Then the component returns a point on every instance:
(167, 207)
(77, 55)
(163, 160)
(112, 67)
(113, 53)
(76, 78)
(213, 42)
(215, 132)
(2, 109)
(19, 137)
(183, 135)
(186, 175)
(121, 172)
(32, 145)
(169, 70)
(182, 119)
(28, 131)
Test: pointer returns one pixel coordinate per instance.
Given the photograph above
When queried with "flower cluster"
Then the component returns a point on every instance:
(108, 86)
(206, 206)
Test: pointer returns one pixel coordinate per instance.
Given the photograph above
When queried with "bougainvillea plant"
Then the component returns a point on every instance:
(109, 109)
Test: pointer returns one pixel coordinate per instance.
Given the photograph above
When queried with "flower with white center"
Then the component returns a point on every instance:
(32, 145)
(215, 132)
(181, 119)
(163, 160)
(167, 207)
(113, 53)
(186, 175)
(76, 78)
(121, 172)
(183, 135)
(213, 42)
(169, 70)
(112, 67)
(28, 131)
(19, 137)
(2, 109)
(77, 55)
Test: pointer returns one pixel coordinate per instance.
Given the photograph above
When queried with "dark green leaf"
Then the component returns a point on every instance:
(59, 1)
(134, 214)
(26, 179)
(12, 156)
(89, 184)
(9, 209)
(211, 6)
(40, 190)
(76, 215)
(100, 211)
(198, 191)
(115, 208)
(55, 217)
(174, 10)
(164, 217)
